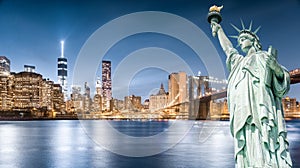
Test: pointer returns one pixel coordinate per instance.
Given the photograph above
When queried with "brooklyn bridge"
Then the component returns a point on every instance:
(200, 106)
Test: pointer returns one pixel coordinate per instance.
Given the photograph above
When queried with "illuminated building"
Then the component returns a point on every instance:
(70, 107)
(52, 96)
(87, 98)
(106, 84)
(158, 101)
(97, 102)
(29, 68)
(133, 103)
(4, 66)
(33, 92)
(27, 92)
(57, 98)
(76, 98)
(87, 90)
(146, 104)
(47, 94)
(6, 83)
(118, 104)
(290, 107)
(219, 110)
(98, 87)
(6, 92)
(62, 72)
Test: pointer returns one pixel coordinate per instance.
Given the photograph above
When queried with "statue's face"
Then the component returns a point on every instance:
(245, 43)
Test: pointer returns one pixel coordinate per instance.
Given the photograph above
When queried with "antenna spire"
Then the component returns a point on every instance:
(62, 48)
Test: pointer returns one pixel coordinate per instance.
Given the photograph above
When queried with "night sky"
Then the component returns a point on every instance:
(31, 31)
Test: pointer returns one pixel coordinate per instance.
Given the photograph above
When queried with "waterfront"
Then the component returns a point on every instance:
(66, 144)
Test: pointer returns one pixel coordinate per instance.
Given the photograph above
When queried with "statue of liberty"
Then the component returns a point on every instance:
(256, 85)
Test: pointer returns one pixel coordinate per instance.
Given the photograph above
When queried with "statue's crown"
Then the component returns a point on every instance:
(246, 31)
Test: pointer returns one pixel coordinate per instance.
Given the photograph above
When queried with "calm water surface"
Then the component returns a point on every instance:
(38, 144)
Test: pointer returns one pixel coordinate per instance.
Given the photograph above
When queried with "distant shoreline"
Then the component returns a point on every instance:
(75, 118)
(34, 119)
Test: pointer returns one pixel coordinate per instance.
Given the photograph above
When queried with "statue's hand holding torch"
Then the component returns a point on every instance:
(214, 18)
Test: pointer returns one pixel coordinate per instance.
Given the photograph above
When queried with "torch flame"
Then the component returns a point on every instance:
(215, 8)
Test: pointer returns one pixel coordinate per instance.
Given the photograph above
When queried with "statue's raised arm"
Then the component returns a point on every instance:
(214, 18)
(223, 39)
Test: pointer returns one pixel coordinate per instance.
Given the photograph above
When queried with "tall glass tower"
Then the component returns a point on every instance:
(62, 72)
(106, 83)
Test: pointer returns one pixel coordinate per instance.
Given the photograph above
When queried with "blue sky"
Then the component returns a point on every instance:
(31, 31)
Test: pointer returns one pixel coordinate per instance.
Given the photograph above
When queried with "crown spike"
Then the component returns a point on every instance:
(243, 26)
(250, 26)
(238, 30)
(257, 30)
(236, 37)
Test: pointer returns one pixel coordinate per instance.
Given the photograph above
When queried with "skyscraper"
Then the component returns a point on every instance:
(98, 86)
(62, 71)
(4, 66)
(97, 105)
(87, 98)
(106, 83)
(6, 84)
(76, 98)
(6, 92)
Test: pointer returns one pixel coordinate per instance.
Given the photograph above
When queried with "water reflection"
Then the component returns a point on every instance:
(65, 144)
(134, 142)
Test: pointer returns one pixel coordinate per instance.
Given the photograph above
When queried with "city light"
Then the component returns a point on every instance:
(28, 94)
(62, 48)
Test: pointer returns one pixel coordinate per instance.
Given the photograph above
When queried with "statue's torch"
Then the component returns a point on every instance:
(214, 15)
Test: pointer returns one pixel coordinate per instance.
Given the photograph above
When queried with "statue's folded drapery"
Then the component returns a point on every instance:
(256, 115)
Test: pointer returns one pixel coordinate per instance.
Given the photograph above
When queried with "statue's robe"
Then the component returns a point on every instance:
(256, 115)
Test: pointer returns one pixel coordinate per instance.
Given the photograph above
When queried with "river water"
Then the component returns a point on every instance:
(72, 144)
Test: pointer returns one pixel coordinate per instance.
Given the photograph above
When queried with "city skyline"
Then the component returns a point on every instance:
(214, 83)
(28, 94)
(32, 30)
